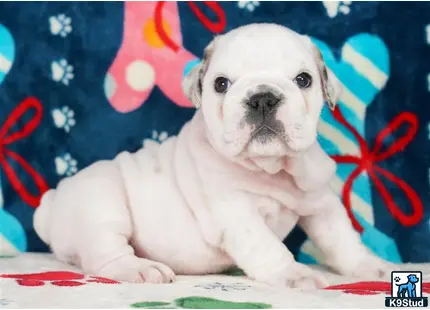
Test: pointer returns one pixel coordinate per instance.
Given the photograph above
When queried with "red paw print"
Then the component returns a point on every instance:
(58, 278)
(369, 288)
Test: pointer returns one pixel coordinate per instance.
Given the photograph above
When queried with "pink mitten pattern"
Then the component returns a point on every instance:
(149, 56)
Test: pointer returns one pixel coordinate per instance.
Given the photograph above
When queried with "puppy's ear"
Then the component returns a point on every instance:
(192, 84)
(331, 86)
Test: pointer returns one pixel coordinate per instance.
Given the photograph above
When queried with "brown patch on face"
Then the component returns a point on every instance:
(326, 84)
(192, 84)
(325, 75)
(207, 55)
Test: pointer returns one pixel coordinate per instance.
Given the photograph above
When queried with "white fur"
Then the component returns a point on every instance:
(212, 198)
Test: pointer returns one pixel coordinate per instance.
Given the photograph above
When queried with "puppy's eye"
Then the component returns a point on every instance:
(303, 80)
(221, 84)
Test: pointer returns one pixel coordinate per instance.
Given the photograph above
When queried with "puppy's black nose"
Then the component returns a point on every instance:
(263, 101)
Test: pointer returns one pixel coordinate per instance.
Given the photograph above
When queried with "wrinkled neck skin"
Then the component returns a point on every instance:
(310, 170)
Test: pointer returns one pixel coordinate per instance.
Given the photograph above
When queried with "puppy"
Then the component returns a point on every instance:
(235, 181)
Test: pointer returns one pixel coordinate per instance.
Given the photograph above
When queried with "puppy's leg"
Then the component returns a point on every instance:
(331, 231)
(94, 211)
(256, 249)
(108, 254)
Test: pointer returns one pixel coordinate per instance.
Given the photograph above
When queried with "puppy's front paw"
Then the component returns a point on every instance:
(373, 267)
(368, 266)
(300, 276)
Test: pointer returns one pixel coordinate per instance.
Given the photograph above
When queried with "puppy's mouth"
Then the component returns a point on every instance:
(270, 140)
(264, 134)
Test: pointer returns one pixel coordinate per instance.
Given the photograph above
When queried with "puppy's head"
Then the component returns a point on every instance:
(261, 89)
(413, 278)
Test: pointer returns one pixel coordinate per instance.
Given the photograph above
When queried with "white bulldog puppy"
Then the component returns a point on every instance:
(227, 190)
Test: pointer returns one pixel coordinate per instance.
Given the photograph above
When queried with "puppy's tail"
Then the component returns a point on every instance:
(42, 217)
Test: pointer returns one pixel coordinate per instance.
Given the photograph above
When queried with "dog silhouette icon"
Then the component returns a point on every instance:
(408, 287)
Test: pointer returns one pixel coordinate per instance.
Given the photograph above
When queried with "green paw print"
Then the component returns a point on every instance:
(153, 305)
(200, 303)
(235, 271)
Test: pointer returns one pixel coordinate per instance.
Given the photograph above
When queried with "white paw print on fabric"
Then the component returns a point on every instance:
(159, 137)
(64, 118)
(225, 287)
(333, 8)
(248, 5)
(62, 71)
(156, 137)
(428, 34)
(66, 165)
(60, 25)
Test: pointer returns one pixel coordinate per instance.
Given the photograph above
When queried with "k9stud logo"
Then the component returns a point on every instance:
(406, 290)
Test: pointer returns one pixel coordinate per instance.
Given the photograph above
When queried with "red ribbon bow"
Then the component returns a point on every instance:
(367, 161)
(214, 26)
(7, 138)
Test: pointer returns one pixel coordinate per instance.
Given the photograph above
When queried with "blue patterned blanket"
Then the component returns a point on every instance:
(80, 82)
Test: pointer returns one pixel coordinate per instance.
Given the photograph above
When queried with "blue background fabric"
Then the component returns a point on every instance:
(392, 36)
